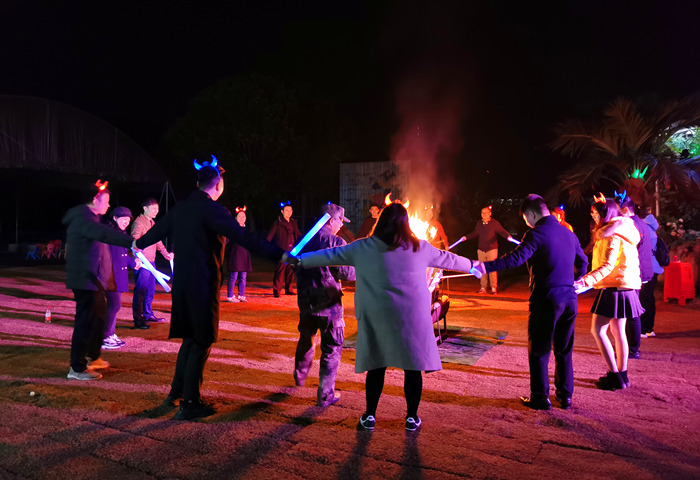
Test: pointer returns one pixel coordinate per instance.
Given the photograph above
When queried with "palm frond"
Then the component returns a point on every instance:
(577, 181)
(574, 138)
(625, 125)
(683, 174)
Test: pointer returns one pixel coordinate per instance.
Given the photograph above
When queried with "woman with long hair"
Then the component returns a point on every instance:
(392, 305)
(616, 276)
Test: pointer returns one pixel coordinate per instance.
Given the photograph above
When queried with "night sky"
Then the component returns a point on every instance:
(520, 67)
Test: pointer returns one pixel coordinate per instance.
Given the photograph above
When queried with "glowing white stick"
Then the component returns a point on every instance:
(460, 275)
(581, 290)
(158, 276)
(457, 243)
(514, 241)
(314, 230)
(172, 266)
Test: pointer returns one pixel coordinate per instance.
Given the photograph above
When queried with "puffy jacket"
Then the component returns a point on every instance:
(615, 257)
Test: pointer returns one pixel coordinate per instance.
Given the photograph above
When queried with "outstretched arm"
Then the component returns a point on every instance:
(517, 257)
(581, 262)
(447, 260)
(159, 231)
(338, 256)
(104, 234)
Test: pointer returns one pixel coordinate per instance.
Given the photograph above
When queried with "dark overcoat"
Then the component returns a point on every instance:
(85, 239)
(197, 227)
(238, 258)
(285, 233)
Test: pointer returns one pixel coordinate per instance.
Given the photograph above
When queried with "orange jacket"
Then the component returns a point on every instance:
(615, 258)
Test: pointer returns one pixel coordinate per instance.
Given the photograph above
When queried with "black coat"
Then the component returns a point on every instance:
(286, 233)
(238, 258)
(85, 239)
(197, 226)
(552, 252)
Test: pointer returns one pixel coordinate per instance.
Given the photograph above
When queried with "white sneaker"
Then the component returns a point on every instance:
(109, 344)
(651, 334)
(242, 299)
(643, 335)
(232, 299)
(86, 375)
(118, 340)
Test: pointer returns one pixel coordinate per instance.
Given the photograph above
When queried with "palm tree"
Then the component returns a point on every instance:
(628, 143)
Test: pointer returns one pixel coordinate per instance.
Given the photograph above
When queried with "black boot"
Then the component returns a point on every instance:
(611, 381)
(191, 410)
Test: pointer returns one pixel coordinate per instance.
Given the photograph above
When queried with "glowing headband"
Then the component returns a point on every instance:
(101, 186)
(621, 196)
(285, 204)
(387, 201)
(240, 209)
(600, 199)
(214, 163)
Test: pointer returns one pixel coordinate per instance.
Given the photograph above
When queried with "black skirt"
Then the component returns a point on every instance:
(614, 303)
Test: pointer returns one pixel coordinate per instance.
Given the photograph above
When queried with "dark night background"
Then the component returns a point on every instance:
(519, 67)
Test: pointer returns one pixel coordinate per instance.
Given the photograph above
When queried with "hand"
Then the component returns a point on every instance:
(478, 269)
(510, 239)
(290, 259)
(578, 284)
(138, 264)
(170, 256)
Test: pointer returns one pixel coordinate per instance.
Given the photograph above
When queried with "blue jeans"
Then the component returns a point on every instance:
(144, 291)
(240, 276)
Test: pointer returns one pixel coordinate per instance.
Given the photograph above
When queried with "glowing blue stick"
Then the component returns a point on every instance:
(314, 230)
(457, 243)
(514, 241)
(581, 290)
(158, 276)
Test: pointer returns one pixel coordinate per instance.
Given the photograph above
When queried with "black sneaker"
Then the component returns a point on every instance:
(412, 424)
(611, 381)
(194, 410)
(276, 293)
(564, 402)
(290, 292)
(634, 356)
(367, 422)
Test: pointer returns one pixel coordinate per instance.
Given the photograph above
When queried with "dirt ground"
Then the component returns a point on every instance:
(473, 423)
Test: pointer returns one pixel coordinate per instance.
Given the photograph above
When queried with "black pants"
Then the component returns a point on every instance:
(412, 390)
(189, 369)
(646, 298)
(284, 275)
(633, 331)
(88, 328)
(552, 320)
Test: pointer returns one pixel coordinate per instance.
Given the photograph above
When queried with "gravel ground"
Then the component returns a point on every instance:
(473, 424)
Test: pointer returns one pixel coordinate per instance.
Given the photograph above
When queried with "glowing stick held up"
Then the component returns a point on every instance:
(457, 243)
(512, 240)
(314, 230)
(158, 276)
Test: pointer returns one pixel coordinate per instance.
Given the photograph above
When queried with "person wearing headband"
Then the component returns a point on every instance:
(239, 263)
(197, 226)
(89, 274)
(285, 231)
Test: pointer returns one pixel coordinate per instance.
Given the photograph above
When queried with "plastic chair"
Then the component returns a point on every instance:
(33, 251)
(48, 252)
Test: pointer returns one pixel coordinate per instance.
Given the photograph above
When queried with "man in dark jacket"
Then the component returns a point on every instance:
(486, 230)
(198, 226)
(633, 327)
(552, 252)
(286, 233)
(321, 308)
(89, 273)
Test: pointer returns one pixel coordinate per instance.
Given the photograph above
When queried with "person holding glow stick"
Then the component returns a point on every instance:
(89, 274)
(392, 305)
(197, 226)
(552, 253)
(617, 278)
(285, 233)
(486, 230)
(321, 309)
